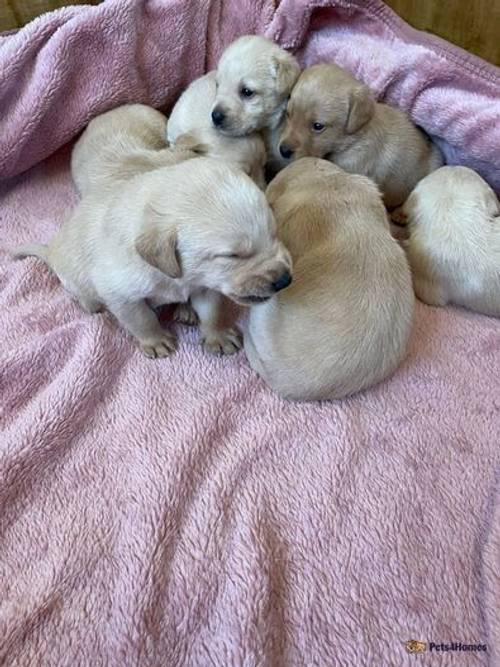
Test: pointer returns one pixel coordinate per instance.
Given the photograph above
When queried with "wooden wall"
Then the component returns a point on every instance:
(472, 24)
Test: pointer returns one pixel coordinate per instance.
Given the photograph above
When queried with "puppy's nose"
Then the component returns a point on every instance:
(282, 282)
(285, 151)
(218, 117)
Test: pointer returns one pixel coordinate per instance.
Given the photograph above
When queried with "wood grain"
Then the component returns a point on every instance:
(472, 24)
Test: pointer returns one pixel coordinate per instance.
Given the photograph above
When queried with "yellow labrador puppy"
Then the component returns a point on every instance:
(121, 143)
(334, 116)
(197, 229)
(345, 321)
(190, 127)
(454, 240)
(254, 79)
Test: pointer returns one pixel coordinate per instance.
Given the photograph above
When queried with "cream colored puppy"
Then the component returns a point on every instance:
(190, 127)
(454, 240)
(254, 79)
(195, 230)
(345, 322)
(334, 116)
(121, 143)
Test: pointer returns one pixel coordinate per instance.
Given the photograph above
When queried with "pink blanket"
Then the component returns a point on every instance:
(176, 512)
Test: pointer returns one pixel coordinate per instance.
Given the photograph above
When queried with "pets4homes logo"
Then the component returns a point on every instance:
(416, 646)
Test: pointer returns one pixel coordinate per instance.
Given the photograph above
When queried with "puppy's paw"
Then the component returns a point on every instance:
(155, 348)
(398, 217)
(184, 313)
(224, 341)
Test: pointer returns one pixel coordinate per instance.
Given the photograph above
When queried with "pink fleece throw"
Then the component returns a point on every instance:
(178, 513)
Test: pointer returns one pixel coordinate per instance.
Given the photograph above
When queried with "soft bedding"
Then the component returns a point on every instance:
(176, 512)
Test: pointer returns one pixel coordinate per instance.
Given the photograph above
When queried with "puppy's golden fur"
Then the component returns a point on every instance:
(121, 143)
(332, 115)
(345, 321)
(454, 240)
(195, 230)
(190, 127)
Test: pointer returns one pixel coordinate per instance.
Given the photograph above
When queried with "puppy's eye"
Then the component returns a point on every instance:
(317, 127)
(247, 92)
(230, 255)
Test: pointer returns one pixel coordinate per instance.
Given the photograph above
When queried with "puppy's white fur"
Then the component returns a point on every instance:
(190, 127)
(119, 144)
(197, 229)
(345, 321)
(357, 133)
(264, 68)
(269, 72)
(454, 240)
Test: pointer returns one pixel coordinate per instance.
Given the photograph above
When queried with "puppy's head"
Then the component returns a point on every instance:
(222, 236)
(327, 108)
(254, 78)
(313, 184)
(301, 176)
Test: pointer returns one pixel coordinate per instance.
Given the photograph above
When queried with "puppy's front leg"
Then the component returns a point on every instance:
(138, 318)
(216, 338)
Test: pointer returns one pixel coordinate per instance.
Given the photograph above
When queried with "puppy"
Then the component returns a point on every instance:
(334, 116)
(197, 229)
(254, 79)
(454, 240)
(345, 321)
(190, 127)
(121, 143)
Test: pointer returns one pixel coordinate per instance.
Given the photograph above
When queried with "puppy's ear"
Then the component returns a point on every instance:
(286, 72)
(160, 250)
(190, 141)
(361, 109)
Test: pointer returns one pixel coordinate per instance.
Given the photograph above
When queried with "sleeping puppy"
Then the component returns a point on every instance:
(254, 79)
(190, 127)
(454, 240)
(345, 321)
(334, 116)
(119, 144)
(198, 229)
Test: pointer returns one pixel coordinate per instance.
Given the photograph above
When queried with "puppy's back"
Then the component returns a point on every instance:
(454, 240)
(122, 137)
(345, 321)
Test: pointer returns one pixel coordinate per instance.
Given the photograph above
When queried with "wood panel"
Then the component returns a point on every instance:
(472, 24)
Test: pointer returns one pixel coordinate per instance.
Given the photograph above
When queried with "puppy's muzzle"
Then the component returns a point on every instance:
(285, 151)
(282, 282)
(218, 117)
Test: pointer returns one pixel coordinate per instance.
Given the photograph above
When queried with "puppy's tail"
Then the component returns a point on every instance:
(39, 250)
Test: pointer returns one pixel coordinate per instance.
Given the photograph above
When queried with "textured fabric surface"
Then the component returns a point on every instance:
(176, 512)
(16, 13)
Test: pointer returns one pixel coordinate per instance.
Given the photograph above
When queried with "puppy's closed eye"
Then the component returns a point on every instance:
(234, 255)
